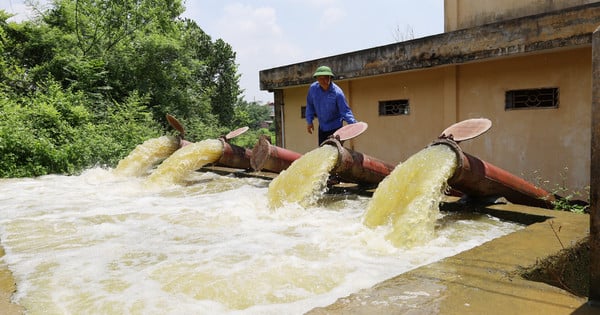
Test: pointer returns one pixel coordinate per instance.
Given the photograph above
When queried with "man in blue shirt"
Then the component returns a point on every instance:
(327, 102)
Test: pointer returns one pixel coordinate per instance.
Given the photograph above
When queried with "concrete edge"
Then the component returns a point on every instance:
(485, 279)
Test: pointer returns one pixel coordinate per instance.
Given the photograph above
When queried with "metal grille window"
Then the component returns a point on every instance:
(532, 98)
(394, 107)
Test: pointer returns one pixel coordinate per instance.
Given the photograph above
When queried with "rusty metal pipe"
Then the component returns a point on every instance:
(271, 158)
(356, 167)
(234, 156)
(479, 179)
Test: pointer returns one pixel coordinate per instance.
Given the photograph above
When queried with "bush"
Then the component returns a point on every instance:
(250, 138)
(53, 132)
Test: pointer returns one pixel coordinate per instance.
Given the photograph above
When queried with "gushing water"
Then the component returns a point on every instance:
(408, 199)
(185, 160)
(304, 181)
(146, 155)
(98, 243)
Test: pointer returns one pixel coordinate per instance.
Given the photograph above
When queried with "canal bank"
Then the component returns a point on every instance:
(487, 279)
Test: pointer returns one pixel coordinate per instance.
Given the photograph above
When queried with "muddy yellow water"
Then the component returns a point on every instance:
(408, 199)
(98, 243)
(304, 181)
(191, 157)
(146, 155)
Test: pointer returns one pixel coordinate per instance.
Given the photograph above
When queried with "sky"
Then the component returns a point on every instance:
(267, 34)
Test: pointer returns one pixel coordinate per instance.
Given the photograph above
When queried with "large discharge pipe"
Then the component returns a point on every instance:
(479, 179)
(271, 158)
(357, 167)
(351, 166)
(234, 156)
(472, 177)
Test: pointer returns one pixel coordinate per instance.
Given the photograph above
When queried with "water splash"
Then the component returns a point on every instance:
(408, 199)
(98, 244)
(146, 155)
(185, 160)
(305, 180)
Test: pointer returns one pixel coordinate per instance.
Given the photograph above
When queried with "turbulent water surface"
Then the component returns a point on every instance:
(99, 243)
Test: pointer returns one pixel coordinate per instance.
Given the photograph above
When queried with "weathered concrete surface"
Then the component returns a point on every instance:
(478, 12)
(564, 29)
(485, 279)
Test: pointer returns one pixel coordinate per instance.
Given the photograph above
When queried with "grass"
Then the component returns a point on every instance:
(568, 269)
(576, 201)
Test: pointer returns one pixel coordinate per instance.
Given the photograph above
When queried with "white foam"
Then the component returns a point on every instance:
(95, 243)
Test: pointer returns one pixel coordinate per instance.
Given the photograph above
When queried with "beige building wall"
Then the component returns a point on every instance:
(389, 138)
(459, 14)
(294, 127)
(396, 138)
(549, 147)
(536, 144)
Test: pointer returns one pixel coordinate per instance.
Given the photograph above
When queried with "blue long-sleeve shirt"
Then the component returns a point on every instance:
(330, 107)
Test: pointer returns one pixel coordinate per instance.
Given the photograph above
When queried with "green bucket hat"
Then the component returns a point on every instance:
(323, 70)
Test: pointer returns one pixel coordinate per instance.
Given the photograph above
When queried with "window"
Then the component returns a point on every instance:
(303, 112)
(531, 98)
(394, 107)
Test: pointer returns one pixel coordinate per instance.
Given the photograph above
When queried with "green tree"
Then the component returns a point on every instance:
(251, 114)
(88, 80)
(224, 82)
(112, 48)
(52, 131)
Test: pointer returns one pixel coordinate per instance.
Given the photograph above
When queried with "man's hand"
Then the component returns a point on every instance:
(310, 128)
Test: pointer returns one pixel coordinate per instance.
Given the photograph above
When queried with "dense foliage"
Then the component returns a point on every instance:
(88, 80)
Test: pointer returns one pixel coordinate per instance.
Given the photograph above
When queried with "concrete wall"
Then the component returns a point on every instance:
(533, 143)
(389, 138)
(536, 144)
(459, 14)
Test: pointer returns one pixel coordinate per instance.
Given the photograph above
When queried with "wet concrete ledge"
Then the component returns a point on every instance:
(486, 279)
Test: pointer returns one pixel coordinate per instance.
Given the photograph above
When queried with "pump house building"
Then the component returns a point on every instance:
(525, 65)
